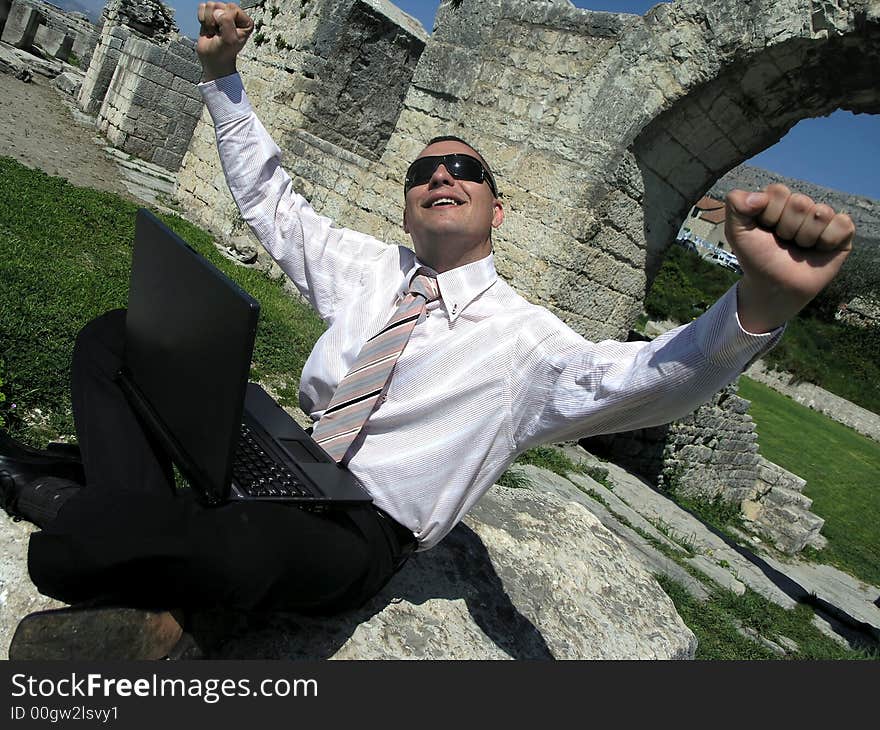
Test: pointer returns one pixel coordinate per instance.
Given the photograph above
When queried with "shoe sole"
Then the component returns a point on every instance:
(98, 634)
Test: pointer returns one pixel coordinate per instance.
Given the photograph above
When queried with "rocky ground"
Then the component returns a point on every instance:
(40, 131)
(42, 128)
(555, 570)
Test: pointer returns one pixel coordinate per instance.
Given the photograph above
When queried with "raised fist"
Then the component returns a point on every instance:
(224, 31)
(789, 248)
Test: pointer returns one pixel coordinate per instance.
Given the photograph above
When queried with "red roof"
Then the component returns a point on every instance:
(711, 210)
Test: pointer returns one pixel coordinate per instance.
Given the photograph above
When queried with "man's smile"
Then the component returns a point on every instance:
(442, 200)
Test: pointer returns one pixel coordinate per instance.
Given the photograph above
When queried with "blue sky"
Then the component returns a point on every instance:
(841, 151)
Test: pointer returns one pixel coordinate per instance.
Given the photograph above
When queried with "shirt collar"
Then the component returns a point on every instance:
(461, 285)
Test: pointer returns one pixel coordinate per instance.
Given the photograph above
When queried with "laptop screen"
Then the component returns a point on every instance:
(189, 341)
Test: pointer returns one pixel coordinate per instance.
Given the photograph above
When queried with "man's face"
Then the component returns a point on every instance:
(450, 220)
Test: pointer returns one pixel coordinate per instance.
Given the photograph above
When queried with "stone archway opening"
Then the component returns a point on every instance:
(745, 109)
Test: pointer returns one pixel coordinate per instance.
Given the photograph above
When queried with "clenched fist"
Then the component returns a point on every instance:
(789, 248)
(224, 31)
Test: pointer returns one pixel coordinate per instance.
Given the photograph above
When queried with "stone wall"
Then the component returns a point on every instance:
(780, 511)
(603, 128)
(102, 67)
(56, 32)
(122, 19)
(82, 32)
(152, 104)
(54, 42)
(141, 83)
(711, 453)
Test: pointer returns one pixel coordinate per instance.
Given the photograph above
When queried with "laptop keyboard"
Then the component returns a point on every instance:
(259, 474)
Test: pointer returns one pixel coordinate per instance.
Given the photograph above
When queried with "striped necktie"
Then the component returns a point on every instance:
(357, 393)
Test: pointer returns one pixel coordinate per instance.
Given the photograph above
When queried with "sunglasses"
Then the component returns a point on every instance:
(460, 166)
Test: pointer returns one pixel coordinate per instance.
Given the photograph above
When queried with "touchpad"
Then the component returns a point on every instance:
(298, 451)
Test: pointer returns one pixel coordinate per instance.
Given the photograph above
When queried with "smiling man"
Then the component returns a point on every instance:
(432, 375)
(483, 374)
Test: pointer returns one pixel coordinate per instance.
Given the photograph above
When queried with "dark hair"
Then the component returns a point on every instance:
(453, 138)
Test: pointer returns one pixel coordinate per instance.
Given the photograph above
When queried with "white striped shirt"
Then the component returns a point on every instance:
(485, 376)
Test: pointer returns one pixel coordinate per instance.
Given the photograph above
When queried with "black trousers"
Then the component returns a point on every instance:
(130, 537)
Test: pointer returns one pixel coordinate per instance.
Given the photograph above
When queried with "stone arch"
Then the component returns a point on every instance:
(749, 105)
(601, 127)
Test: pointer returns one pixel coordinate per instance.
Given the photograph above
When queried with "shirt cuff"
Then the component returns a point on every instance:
(225, 98)
(722, 339)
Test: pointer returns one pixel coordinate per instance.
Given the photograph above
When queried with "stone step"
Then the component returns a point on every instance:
(790, 518)
(788, 527)
(787, 497)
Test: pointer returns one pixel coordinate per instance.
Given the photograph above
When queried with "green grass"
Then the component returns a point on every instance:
(834, 356)
(715, 621)
(686, 286)
(66, 258)
(842, 469)
(548, 458)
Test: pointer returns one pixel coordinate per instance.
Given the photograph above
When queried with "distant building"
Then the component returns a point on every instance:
(703, 233)
(706, 220)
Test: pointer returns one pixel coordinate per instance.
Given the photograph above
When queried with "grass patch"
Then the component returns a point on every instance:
(66, 259)
(716, 512)
(834, 356)
(548, 458)
(686, 286)
(842, 469)
(715, 623)
(515, 479)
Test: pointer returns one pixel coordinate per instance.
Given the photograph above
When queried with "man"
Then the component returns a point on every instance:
(432, 375)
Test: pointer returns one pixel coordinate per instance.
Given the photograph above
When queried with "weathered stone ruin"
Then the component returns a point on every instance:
(81, 32)
(713, 454)
(20, 23)
(603, 128)
(141, 83)
(41, 27)
(334, 76)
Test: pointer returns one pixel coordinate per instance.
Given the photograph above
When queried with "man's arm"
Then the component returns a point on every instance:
(789, 249)
(327, 263)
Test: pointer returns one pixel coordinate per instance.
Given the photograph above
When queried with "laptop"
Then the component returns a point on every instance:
(189, 341)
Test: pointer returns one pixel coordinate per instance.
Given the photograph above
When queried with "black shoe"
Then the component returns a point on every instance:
(101, 634)
(34, 488)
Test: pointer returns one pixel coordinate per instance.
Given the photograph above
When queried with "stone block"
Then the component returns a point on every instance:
(782, 496)
(68, 82)
(21, 25)
(186, 69)
(54, 42)
(447, 70)
(167, 159)
(158, 75)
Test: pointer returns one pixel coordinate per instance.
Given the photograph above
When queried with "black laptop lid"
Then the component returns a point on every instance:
(189, 342)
